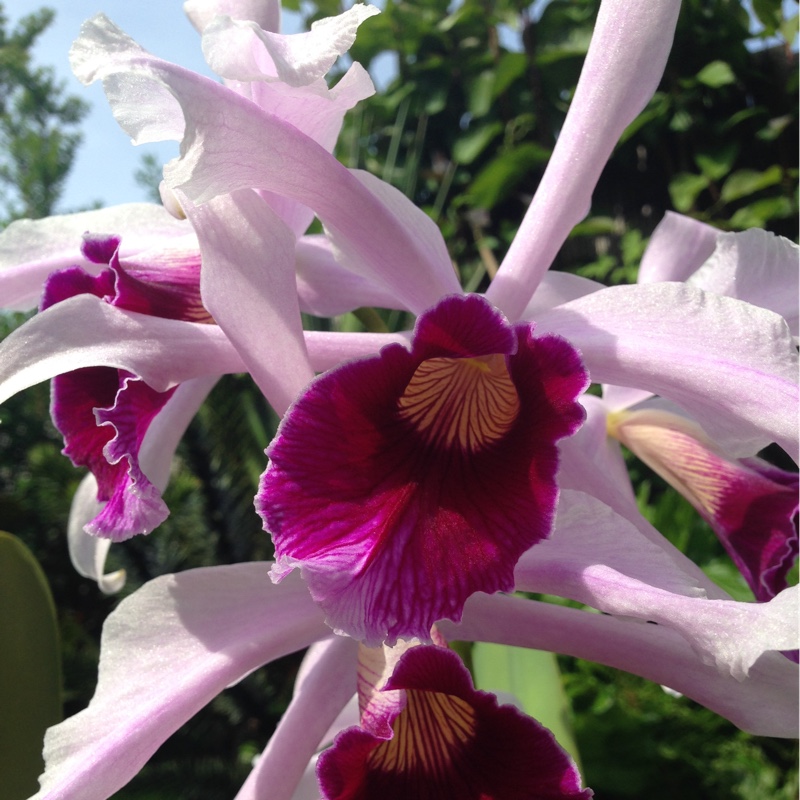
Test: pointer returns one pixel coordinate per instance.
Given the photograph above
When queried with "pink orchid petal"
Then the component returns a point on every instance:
(240, 52)
(248, 285)
(369, 499)
(585, 561)
(232, 144)
(678, 247)
(731, 365)
(104, 413)
(623, 67)
(618, 398)
(88, 553)
(591, 462)
(329, 349)
(265, 13)
(755, 266)
(243, 51)
(316, 111)
(587, 532)
(765, 703)
(144, 109)
(449, 740)
(325, 288)
(32, 249)
(320, 695)
(84, 331)
(593, 453)
(557, 288)
(167, 650)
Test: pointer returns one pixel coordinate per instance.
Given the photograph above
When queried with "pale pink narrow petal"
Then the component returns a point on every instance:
(265, 13)
(320, 695)
(588, 532)
(678, 247)
(765, 703)
(625, 62)
(756, 266)
(591, 462)
(31, 249)
(599, 559)
(248, 285)
(328, 349)
(84, 331)
(243, 51)
(325, 288)
(88, 553)
(232, 144)
(730, 365)
(166, 651)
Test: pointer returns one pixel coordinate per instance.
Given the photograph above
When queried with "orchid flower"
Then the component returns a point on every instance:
(151, 250)
(750, 504)
(479, 397)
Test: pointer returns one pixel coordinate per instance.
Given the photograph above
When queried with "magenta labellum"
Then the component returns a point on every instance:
(104, 413)
(751, 505)
(402, 484)
(443, 738)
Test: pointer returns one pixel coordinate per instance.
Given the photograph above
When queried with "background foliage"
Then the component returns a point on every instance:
(474, 99)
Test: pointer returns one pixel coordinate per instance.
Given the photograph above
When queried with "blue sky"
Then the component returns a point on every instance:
(106, 161)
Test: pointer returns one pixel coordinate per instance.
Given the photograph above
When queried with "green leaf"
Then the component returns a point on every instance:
(774, 128)
(30, 668)
(501, 175)
(533, 678)
(595, 226)
(657, 108)
(716, 74)
(480, 92)
(745, 182)
(769, 15)
(789, 28)
(510, 67)
(759, 213)
(470, 145)
(681, 121)
(716, 162)
(684, 189)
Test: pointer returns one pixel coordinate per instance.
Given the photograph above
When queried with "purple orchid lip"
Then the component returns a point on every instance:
(402, 484)
(104, 413)
(439, 737)
(751, 506)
